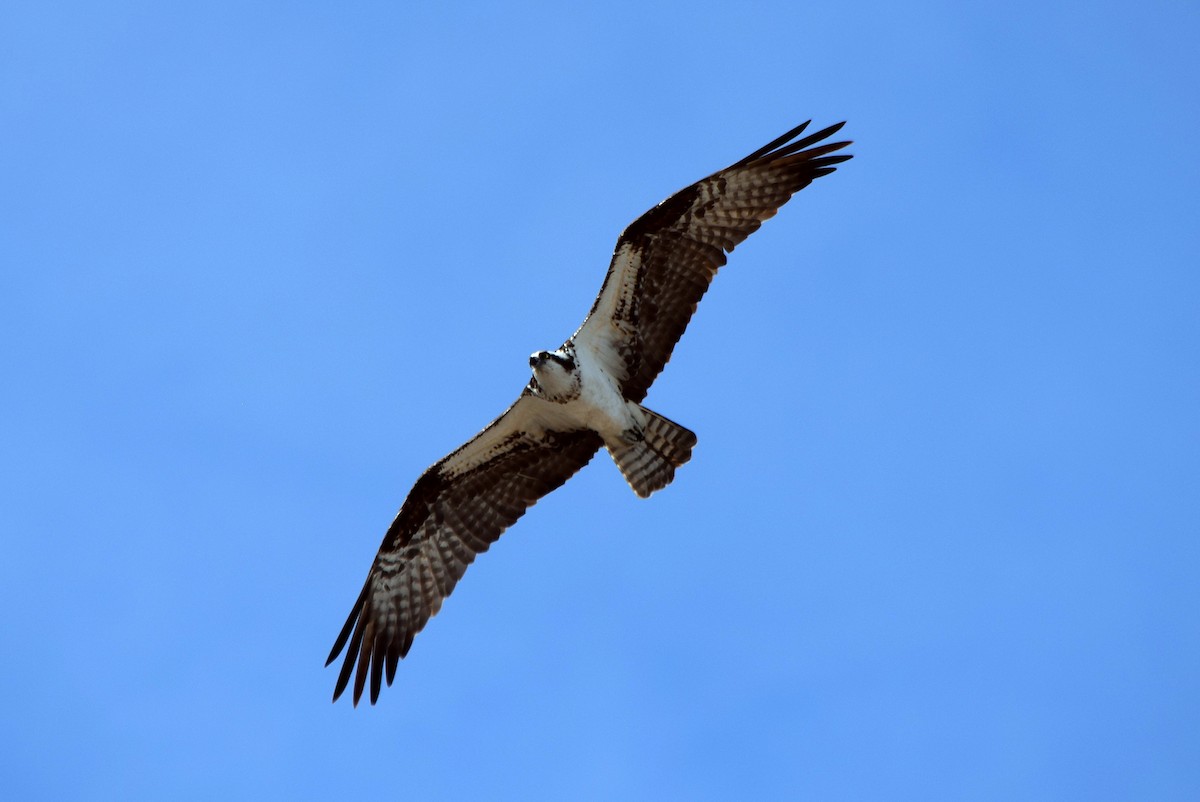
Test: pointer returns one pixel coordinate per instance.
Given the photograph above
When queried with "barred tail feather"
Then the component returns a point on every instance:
(649, 463)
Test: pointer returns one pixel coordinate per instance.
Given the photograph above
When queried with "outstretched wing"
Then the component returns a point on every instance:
(455, 511)
(665, 260)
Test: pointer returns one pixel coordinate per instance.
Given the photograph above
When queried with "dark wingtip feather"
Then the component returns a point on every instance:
(393, 659)
(343, 679)
(377, 669)
(813, 154)
(348, 627)
(770, 146)
(784, 146)
(351, 633)
(826, 161)
(364, 661)
(811, 139)
(348, 664)
(340, 643)
(342, 637)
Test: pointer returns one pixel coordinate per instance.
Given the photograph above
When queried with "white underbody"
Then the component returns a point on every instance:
(591, 398)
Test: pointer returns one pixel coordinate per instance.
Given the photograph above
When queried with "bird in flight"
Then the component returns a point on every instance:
(583, 395)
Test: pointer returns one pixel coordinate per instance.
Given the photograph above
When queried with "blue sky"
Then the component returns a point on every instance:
(939, 537)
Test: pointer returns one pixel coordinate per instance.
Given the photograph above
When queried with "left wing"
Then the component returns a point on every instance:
(456, 510)
(665, 260)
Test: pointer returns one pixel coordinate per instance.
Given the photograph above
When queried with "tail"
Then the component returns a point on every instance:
(649, 462)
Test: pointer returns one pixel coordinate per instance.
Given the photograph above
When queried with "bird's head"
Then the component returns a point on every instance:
(555, 374)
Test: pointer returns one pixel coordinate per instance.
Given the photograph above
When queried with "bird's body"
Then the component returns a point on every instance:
(582, 396)
(582, 392)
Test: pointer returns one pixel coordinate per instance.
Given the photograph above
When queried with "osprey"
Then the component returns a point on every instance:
(583, 395)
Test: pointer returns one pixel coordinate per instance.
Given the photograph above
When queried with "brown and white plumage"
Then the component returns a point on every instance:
(584, 395)
(666, 259)
(455, 511)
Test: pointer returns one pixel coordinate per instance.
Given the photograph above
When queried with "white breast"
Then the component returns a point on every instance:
(601, 403)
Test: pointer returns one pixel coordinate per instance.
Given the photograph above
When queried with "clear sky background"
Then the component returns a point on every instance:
(264, 263)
